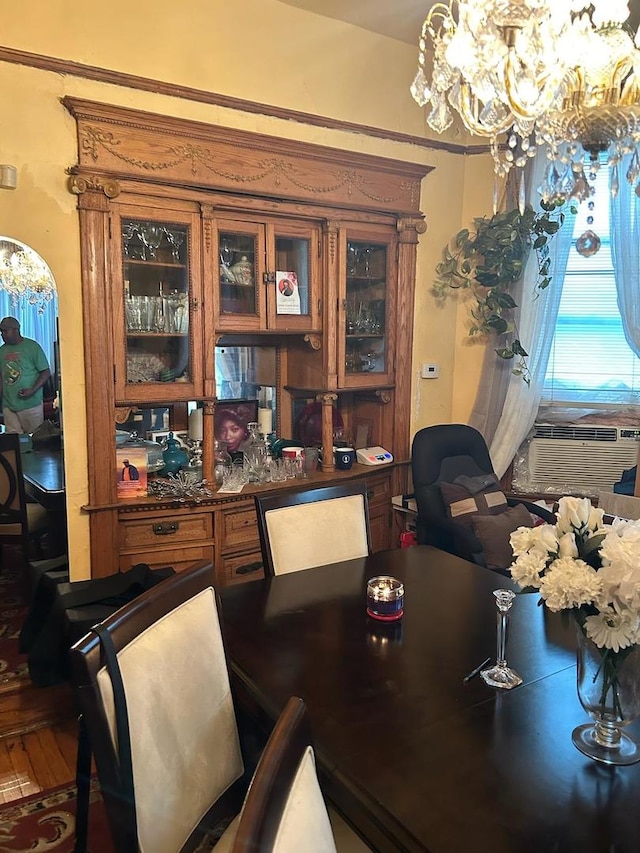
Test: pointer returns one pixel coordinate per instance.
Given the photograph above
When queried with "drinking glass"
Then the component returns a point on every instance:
(151, 236)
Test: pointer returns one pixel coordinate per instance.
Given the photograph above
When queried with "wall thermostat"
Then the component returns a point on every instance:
(373, 456)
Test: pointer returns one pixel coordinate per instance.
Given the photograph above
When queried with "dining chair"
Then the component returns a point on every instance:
(284, 811)
(21, 522)
(175, 711)
(303, 529)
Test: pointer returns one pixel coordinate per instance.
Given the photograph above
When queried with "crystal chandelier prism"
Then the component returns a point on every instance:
(25, 276)
(564, 74)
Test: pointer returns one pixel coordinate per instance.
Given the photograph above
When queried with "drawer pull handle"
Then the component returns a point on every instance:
(166, 529)
(246, 570)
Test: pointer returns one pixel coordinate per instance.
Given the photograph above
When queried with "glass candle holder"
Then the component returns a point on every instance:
(385, 598)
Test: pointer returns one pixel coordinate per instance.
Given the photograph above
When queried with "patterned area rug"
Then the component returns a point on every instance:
(47, 822)
(13, 610)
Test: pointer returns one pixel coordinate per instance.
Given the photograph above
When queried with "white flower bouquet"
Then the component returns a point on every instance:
(581, 565)
(592, 571)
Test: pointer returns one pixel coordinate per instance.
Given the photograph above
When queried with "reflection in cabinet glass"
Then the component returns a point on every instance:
(156, 301)
(238, 273)
(366, 308)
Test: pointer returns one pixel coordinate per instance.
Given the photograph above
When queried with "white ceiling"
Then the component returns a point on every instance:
(400, 19)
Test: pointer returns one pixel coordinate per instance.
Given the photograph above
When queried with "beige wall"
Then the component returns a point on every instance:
(261, 50)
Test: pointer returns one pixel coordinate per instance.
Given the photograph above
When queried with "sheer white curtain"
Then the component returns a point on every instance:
(537, 321)
(625, 253)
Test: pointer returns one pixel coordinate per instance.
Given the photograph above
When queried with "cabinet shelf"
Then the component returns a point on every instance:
(363, 335)
(131, 334)
(139, 262)
(365, 280)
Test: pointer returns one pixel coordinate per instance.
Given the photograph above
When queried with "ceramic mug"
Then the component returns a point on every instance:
(292, 452)
(344, 457)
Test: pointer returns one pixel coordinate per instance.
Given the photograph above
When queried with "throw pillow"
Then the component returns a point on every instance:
(462, 504)
(494, 531)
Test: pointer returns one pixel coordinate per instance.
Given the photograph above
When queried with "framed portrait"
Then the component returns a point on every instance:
(231, 419)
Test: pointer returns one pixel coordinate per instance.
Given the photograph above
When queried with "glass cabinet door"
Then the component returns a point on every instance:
(157, 308)
(366, 356)
(266, 274)
(292, 258)
(239, 275)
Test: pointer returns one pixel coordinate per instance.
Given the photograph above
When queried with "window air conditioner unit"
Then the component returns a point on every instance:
(585, 458)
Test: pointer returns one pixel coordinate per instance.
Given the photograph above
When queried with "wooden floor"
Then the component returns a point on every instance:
(36, 760)
(38, 734)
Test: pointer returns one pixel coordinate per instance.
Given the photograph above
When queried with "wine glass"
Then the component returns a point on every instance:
(176, 239)
(129, 230)
(151, 236)
(226, 256)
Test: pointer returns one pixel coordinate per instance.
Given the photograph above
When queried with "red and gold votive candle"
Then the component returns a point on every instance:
(385, 598)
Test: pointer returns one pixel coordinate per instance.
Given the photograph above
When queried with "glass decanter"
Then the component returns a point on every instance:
(255, 454)
(221, 461)
(501, 675)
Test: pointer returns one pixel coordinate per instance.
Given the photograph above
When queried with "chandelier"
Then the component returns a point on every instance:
(528, 73)
(25, 276)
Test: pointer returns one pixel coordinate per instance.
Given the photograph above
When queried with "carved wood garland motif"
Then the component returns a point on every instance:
(131, 143)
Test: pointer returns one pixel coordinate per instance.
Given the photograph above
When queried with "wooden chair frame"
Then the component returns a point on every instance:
(12, 511)
(269, 790)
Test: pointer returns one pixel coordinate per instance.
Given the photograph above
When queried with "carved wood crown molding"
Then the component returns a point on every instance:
(131, 143)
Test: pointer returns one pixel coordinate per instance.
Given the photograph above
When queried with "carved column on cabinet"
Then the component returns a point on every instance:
(208, 437)
(327, 401)
(93, 194)
(408, 230)
(331, 234)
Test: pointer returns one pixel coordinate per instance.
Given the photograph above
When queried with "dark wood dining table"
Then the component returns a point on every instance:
(415, 759)
(43, 474)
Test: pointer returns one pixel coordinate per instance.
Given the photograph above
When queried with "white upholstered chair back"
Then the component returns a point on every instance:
(324, 528)
(184, 741)
(186, 760)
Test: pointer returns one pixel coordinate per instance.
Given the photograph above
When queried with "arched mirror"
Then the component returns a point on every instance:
(30, 370)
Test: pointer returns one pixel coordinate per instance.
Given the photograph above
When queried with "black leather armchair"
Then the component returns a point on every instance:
(443, 454)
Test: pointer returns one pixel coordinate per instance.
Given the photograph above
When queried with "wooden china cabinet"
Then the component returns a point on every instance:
(195, 236)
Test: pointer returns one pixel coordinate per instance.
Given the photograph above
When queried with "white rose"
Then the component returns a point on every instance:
(573, 513)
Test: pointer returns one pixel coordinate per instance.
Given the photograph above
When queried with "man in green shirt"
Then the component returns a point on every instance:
(23, 371)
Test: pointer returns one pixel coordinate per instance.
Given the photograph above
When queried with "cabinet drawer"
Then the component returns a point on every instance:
(241, 567)
(379, 489)
(380, 527)
(164, 532)
(177, 558)
(238, 527)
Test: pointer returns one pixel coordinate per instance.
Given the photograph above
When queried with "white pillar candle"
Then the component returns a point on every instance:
(195, 424)
(265, 421)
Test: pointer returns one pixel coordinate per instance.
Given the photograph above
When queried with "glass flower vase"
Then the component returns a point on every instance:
(609, 691)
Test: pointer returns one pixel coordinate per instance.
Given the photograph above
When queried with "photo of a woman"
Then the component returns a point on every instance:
(231, 424)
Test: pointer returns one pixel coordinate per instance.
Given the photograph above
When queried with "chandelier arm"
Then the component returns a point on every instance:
(469, 120)
(547, 92)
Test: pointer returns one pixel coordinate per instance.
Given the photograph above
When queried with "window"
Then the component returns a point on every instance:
(590, 361)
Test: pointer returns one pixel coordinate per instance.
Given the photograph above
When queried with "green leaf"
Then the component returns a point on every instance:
(505, 353)
(498, 324)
